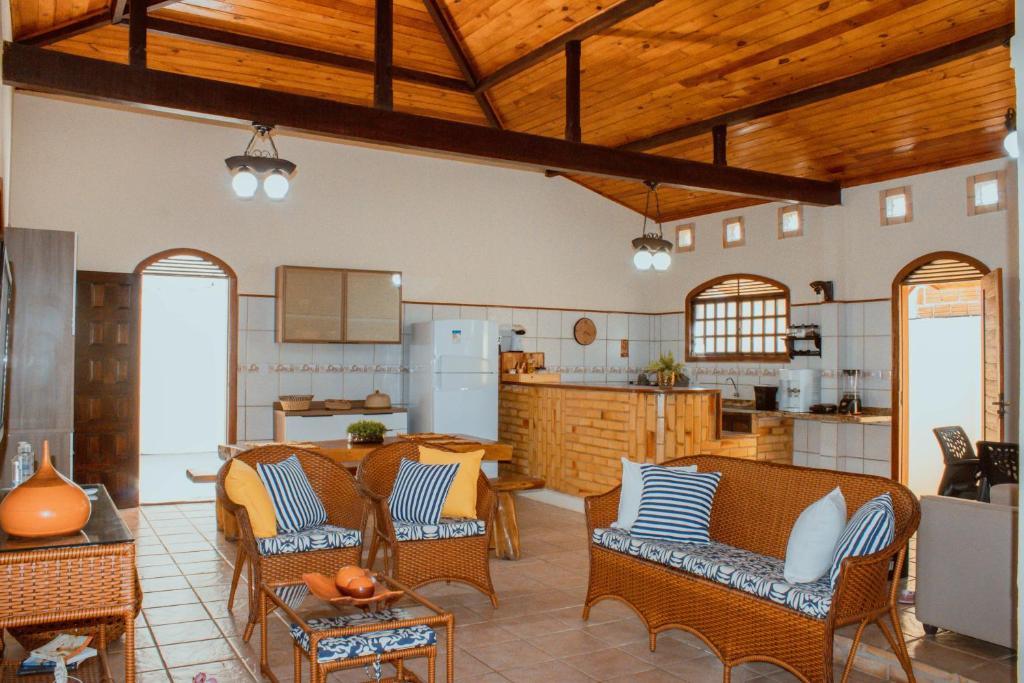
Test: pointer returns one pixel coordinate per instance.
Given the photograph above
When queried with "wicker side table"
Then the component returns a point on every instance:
(94, 670)
(91, 575)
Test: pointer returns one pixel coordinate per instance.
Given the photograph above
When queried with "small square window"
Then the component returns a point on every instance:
(896, 206)
(986, 193)
(733, 232)
(791, 221)
(685, 237)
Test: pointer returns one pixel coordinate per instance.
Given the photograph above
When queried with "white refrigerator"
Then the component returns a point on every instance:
(453, 378)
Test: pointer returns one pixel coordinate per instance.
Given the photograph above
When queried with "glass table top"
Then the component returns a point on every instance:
(105, 526)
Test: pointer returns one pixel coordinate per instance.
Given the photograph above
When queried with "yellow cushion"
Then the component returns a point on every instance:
(244, 487)
(461, 500)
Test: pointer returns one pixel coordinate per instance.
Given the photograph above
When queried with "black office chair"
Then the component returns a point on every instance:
(998, 462)
(963, 471)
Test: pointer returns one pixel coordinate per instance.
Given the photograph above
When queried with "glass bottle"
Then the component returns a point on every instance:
(24, 463)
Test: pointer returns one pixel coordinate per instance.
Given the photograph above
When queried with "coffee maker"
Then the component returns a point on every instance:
(850, 403)
(799, 390)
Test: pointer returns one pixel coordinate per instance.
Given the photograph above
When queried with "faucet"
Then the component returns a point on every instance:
(735, 389)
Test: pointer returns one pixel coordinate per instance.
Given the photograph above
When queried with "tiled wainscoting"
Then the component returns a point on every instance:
(854, 335)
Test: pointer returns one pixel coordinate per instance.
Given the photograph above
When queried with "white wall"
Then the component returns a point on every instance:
(132, 184)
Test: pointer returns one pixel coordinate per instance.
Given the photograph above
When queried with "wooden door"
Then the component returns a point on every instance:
(107, 383)
(994, 402)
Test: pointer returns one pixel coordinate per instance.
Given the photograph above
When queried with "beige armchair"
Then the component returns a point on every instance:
(967, 568)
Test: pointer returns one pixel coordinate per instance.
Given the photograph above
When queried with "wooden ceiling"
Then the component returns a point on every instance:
(660, 66)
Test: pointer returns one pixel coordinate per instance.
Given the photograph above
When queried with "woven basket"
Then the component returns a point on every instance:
(295, 401)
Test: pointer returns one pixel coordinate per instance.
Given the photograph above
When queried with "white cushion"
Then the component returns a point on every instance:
(629, 495)
(812, 542)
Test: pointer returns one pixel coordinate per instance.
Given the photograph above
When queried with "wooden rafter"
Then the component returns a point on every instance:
(444, 26)
(600, 22)
(883, 74)
(383, 54)
(137, 33)
(215, 36)
(718, 143)
(50, 71)
(573, 129)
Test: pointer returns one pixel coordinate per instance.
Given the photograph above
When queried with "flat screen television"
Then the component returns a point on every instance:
(6, 323)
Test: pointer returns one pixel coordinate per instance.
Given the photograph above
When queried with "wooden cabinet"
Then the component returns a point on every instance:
(336, 305)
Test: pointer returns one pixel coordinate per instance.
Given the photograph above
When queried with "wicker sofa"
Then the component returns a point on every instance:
(754, 510)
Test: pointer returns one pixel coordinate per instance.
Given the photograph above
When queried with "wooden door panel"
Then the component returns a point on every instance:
(107, 383)
(993, 406)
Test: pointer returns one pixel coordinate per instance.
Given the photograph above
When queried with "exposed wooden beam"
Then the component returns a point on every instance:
(215, 36)
(383, 53)
(137, 33)
(88, 23)
(843, 86)
(57, 72)
(573, 130)
(444, 26)
(595, 24)
(718, 141)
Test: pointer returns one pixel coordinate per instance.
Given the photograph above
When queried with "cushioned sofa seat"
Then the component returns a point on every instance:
(325, 537)
(729, 566)
(375, 643)
(446, 528)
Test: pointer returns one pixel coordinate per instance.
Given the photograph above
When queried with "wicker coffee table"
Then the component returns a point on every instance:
(375, 637)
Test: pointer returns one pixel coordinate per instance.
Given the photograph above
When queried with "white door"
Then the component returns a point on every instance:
(466, 403)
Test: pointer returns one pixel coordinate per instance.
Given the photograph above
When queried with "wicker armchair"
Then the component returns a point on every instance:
(345, 507)
(962, 472)
(417, 562)
(754, 509)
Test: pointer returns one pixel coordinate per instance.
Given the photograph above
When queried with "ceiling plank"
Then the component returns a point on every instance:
(89, 22)
(444, 26)
(844, 86)
(215, 36)
(595, 24)
(50, 71)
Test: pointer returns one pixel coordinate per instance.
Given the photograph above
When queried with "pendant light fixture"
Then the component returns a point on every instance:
(651, 249)
(260, 158)
(1010, 141)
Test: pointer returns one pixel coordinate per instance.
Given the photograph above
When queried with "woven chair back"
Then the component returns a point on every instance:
(757, 503)
(954, 443)
(331, 482)
(999, 462)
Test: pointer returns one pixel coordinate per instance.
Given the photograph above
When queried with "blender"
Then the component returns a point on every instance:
(850, 403)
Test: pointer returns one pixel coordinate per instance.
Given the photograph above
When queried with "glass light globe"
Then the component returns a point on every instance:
(244, 183)
(276, 185)
(643, 260)
(396, 279)
(1010, 144)
(662, 260)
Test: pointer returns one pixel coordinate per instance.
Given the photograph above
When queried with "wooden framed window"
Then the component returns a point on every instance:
(986, 192)
(686, 237)
(738, 318)
(734, 234)
(791, 221)
(896, 205)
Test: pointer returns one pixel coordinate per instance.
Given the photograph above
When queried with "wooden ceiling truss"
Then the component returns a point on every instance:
(520, 82)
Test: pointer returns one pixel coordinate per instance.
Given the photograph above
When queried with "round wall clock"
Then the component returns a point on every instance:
(585, 331)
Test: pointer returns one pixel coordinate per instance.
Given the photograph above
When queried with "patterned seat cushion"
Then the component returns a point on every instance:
(446, 528)
(324, 537)
(734, 567)
(376, 643)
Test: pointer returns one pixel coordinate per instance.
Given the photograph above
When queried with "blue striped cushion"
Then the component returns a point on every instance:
(295, 503)
(675, 505)
(419, 492)
(871, 529)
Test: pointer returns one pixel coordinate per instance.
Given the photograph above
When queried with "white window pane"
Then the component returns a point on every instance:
(757, 325)
(757, 344)
(791, 221)
(719, 344)
(769, 344)
(698, 311)
(745, 325)
(698, 345)
(745, 344)
(758, 307)
(698, 328)
(986, 193)
(720, 309)
(720, 327)
(730, 327)
(780, 306)
(896, 206)
(781, 343)
(684, 238)
(780, 324)
(769, 307)
(730, 345)
(733, 232)
(769, 326)
(745, 308)
(730, 309)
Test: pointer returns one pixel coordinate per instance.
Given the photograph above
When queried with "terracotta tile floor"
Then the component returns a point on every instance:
(536, 635)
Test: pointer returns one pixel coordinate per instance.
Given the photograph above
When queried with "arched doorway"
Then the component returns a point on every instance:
(187, 372)
(947, 360)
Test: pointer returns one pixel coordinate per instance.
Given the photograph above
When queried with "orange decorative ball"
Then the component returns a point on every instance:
(361, 587)
(346, 574)
(48, 504)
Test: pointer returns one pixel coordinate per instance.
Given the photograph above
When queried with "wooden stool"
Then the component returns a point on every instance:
(505, 537)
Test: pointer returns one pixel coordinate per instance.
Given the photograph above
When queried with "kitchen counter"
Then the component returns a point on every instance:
(636, 388)
(879, 416)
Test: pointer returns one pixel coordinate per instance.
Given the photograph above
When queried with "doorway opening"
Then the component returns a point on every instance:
(947, 331)
(187, 366)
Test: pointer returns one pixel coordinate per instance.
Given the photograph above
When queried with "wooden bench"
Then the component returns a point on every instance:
(505, 537)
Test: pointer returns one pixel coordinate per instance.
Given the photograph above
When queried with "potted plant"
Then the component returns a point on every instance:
(667, 369)
(366, 431)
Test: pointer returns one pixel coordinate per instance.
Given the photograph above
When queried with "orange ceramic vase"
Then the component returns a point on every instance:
(48, 504)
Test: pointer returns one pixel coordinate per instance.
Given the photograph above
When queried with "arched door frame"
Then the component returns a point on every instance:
(232, 378)
(899, 349)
